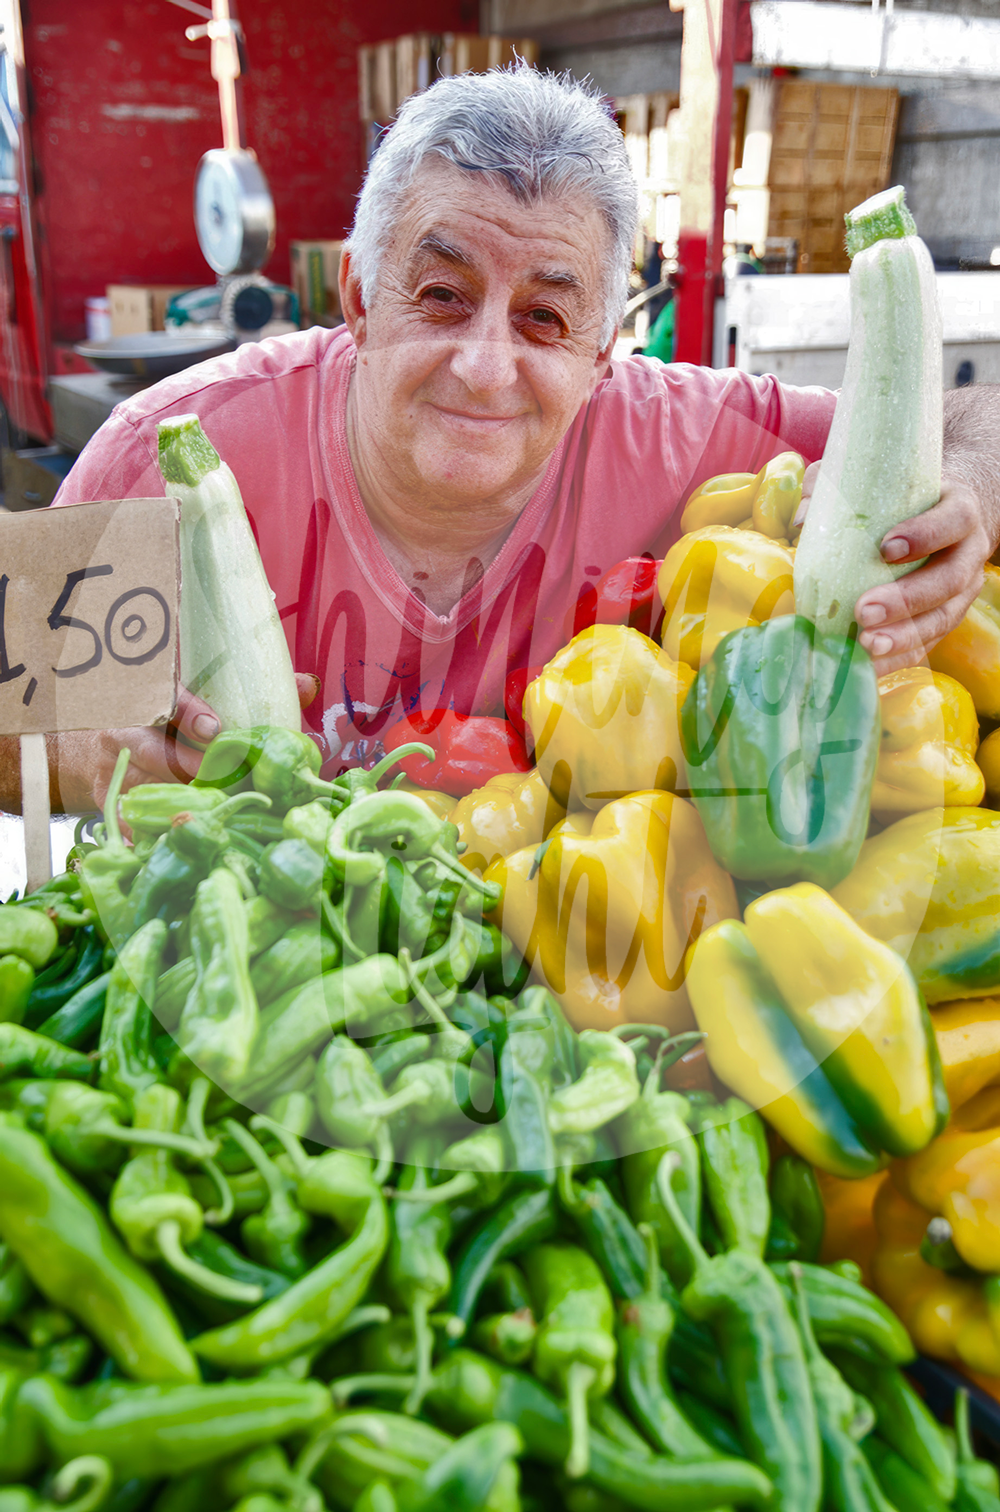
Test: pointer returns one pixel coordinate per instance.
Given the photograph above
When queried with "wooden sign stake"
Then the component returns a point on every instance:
(35, 809)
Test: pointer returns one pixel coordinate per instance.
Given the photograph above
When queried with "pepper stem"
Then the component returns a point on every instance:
(427, 1000)
(157, 1139)
(289, 1142)
(260, 1159)
(579, 1379)
(168, 1239)
(92, 1467)
(414, 748)
(963, 1438)
(647, 1233)
(348, 1386)
(337, 926)
(112, 829)
(697, 1255)
(448, 1191)
(423, 1336)
(385, 1107)
(384, 1156)
(217, 1216)
(238, 801)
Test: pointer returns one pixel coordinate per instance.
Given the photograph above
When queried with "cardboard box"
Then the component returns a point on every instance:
(140, 307)
(315, 270)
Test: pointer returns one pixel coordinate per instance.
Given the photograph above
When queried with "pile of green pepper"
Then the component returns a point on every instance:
(308, 1201)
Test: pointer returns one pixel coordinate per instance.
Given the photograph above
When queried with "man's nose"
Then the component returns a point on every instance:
(485, 358)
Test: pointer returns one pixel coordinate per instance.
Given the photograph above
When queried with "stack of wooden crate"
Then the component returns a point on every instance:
(832, 148)
(389, 72)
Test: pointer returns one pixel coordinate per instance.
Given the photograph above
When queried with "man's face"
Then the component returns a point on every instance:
(482, 341)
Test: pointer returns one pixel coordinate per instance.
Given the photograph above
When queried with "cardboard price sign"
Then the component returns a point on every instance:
(89, 601)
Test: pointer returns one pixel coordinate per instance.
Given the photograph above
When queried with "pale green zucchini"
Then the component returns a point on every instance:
(233, 650)
(882, 462)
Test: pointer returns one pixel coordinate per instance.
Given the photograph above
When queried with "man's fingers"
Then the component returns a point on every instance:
(308, 685)
(955, 518)
(808, 484)
(194, 720)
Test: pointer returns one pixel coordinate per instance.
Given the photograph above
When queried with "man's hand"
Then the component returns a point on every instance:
(81, 762)
(901, 621)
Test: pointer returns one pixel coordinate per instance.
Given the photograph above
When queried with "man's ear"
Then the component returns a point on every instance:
(351, 303)
(603, 360)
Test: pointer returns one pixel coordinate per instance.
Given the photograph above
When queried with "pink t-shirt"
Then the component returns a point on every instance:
(276, 412)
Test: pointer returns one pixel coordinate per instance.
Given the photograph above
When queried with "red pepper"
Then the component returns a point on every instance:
(513, 694)
(625, 595)
(470, 750)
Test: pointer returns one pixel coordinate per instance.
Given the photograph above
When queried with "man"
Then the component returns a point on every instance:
(433, 484)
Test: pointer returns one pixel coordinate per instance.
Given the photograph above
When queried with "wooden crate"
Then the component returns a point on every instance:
(832, 148)
(389, 72)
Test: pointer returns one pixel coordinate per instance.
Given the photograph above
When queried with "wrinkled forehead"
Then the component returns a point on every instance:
(471, 221)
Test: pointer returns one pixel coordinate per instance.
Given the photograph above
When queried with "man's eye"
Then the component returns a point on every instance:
(441, 294)
(545, 317)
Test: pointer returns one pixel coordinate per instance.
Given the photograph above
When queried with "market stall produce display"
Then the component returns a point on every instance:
(363, 1149)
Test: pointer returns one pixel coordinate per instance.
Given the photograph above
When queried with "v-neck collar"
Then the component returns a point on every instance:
(363, 542)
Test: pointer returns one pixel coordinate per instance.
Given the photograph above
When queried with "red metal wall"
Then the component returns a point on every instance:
(123, 106)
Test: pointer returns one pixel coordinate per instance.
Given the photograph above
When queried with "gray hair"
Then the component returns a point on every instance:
(532, 133)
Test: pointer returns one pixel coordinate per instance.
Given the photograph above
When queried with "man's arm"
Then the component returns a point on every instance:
(900, 622)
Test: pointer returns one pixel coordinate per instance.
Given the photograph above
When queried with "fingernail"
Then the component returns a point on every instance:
(871, 615)
(895, 550)
(205, 726)
(881, 645)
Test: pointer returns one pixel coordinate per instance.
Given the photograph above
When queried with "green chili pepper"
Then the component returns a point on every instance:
(23, 1053)
(978, 1484)
(219, 1022)
(48, 996)
(762, 1351)
(85, 1130)
(508, 1336)
(125, 1057)
(464, 1477)
(152, 1207)
(903, 1421)
(230, 758)
(78, 1020)
(362, 1446)
(400, 823)
(76, 1261)
(905, 1488)
(304, 952)
(607, 1086)
(347, 1086)
(399, 1049)
(27, 933)
(848, 1481)
(337, 1185)
(523, 1219)
(468, 1389)
(103, 871)
(310, 822)
(17, 977)
(652, 1126)
(29, 1097)
(694, 1365)
(645, 1324)
(169, 1430)
(734, 1162)
(22, 1448)
(291, 874)
(287, 768)
(275, 1236)
(416, 1268)
(607, 1232)
(266, 923)
(575, 1349)
(164, 886)
(846, 1315)
(716, 1427)
(16, 1289)
(798, 1216)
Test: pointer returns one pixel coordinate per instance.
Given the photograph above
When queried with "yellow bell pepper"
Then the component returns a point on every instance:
(849, 1231)
(605, 919)
(440, 804)
(716, 580)
(857, 1008)
(968, 1038)
(512, 810)
(754, 1049)
(980, 1112)
(604, 714)
(946, 1315)
(971, 652)
(929, 886)
(988, 762)
(958, 1178)
(725, 500)
(778, 496)
(929, 739)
